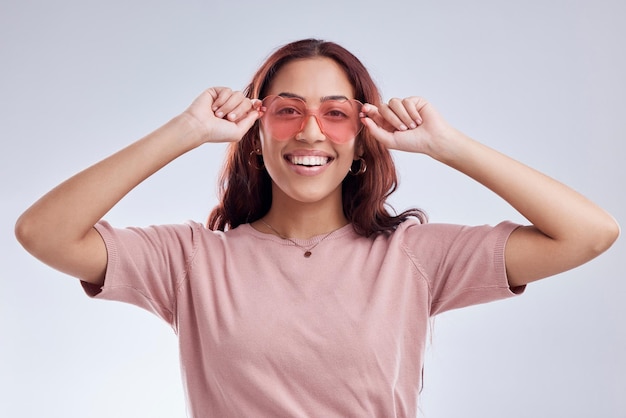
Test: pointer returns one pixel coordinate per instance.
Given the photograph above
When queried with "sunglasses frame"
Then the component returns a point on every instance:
(267, 101)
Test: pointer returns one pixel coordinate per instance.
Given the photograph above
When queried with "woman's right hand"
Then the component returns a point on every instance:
(220, 114)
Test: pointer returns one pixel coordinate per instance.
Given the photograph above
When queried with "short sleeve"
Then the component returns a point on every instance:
(463, 265)
(145, 266)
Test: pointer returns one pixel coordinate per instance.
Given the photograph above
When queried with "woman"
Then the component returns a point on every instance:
(305, 296)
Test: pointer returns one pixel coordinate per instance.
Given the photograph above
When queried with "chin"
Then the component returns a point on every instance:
(312, 195)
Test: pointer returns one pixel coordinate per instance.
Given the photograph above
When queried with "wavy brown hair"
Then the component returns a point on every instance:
(246, 191)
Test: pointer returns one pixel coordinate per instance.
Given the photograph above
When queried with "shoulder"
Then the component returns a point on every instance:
(432, 238)
(185, 236)
(413, 229)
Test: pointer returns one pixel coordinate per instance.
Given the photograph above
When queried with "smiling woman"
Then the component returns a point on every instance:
(247, 193)
(264, 331)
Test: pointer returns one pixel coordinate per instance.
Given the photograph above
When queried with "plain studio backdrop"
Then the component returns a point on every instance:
(543, 81)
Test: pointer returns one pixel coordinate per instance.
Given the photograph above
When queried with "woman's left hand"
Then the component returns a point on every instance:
(410, 124)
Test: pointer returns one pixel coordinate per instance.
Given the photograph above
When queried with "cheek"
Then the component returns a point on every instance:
(349, 150)
(268, 146)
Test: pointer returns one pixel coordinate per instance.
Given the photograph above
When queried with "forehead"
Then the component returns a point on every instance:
(312, 78)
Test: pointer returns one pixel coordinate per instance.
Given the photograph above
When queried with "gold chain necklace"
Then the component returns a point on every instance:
(307, 251)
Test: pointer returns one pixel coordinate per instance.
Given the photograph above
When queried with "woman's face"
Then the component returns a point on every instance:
(308, 167)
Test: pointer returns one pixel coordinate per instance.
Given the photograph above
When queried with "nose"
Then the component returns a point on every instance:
(311, 130)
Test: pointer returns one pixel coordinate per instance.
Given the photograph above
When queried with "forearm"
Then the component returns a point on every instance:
(567, 228)
(58, 228)
(574, 229)
(68, 212)
(549, 205)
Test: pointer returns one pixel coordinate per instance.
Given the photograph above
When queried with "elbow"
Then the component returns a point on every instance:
(31, 234)
(614, 232)
(25, 232)
(605, 235)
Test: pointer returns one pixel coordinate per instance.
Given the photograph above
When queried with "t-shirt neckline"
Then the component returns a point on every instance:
(337, 233)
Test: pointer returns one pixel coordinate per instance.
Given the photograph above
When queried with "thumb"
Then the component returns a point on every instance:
(247, 121)
(381, 135)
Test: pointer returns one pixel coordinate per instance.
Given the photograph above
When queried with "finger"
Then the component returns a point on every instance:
(247, 108)
(247, 121)
(224, 102)
(256, 104)
(371, 112)
(407, 111)
(412, 106)
(389, 113)
(237, 107)
(220, 95)
(234, 106)
(205, 99)
(380, 134)
(397, 106)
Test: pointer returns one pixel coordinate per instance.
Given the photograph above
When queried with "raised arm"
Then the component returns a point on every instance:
(567, 229)
(58, 228)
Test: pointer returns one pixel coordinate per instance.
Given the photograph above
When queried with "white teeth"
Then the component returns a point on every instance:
(309, 160)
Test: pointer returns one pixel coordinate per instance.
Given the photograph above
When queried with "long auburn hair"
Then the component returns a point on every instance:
(246, 192)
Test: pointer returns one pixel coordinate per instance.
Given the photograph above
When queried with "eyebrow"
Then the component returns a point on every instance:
(322, 99)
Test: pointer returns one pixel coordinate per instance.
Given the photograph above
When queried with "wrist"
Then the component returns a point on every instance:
(189, 130)
(449, 146)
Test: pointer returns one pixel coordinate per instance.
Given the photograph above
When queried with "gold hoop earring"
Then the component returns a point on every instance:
(362, 168)
(253, 161)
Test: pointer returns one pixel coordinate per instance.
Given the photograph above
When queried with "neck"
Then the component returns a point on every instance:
(303, 220)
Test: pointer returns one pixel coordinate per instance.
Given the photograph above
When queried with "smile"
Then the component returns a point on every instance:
(308, 160)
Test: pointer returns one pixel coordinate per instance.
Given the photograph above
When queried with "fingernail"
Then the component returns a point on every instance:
(232, 116)
(403, 127)
(219, 114)
(413, 125)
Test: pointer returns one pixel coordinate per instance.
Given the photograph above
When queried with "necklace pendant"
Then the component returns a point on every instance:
(307, 254)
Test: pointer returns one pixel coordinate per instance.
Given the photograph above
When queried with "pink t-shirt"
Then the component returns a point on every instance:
(266, 332)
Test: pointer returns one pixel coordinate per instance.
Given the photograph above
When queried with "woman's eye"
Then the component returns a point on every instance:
(336, 114)
(287, 111)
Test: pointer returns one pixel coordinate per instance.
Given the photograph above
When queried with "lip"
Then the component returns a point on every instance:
(307, 170)
(308, 152)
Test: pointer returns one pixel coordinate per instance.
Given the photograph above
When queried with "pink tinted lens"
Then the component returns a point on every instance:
(284, 117)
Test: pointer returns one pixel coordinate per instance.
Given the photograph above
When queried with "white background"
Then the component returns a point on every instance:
(543, 81)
